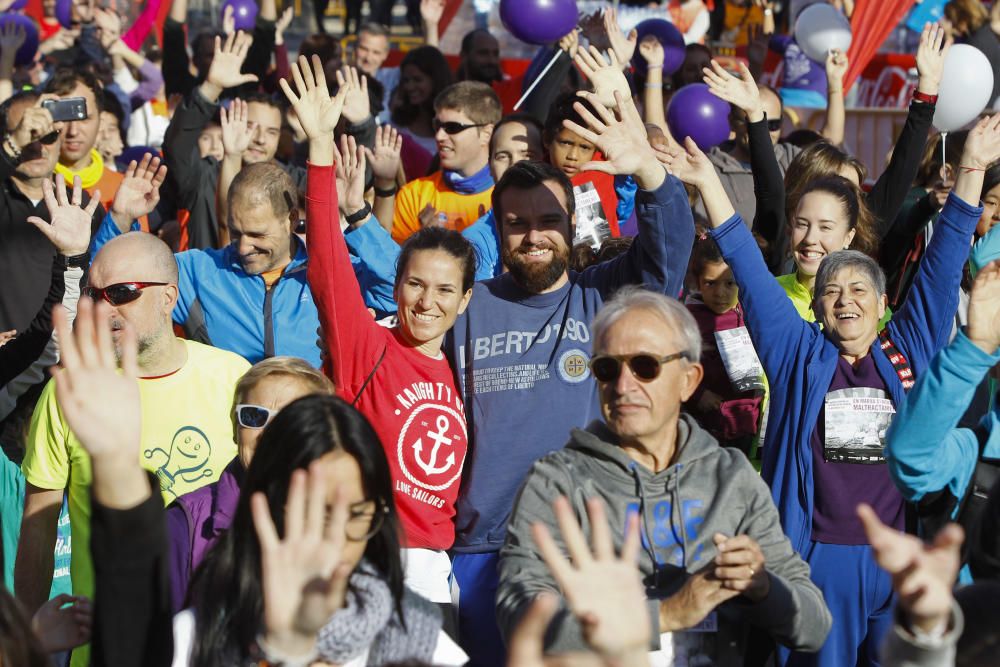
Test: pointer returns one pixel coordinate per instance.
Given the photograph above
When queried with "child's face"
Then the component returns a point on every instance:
(991, 211)
(717, 287)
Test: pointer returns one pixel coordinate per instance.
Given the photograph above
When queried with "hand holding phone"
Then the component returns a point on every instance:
(67, 109)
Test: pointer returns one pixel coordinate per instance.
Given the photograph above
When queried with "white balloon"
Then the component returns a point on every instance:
(820, 28)
(966, 86)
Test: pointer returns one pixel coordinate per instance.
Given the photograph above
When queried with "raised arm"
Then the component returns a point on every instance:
(11, 38)
(889, 192)
(385, 162)
(350, 333)
(177, 77)
(235, 140)
(836, 68)
(651, 51)
(658, 259)
(431, 12)
(926, 453)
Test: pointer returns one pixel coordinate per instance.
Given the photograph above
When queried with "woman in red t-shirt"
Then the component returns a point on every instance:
(398, 377)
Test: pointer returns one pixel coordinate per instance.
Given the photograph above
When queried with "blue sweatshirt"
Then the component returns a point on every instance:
(220, 304)
(521, 361)
(800, 361)
(485, 240)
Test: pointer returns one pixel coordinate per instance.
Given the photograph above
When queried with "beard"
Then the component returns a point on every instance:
(534, 277)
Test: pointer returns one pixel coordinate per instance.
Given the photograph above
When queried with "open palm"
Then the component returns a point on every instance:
(618, 133)
(742, 91)
(984, 308)
(139, 192)
(318, 113)
(69, 230)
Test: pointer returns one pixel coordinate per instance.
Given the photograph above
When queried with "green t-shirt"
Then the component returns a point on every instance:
(802, 299)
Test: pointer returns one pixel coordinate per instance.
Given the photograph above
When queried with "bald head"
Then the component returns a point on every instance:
(135, 256)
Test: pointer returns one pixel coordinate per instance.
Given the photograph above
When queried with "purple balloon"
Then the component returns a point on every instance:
(671, 39)
(64, 13)
(25, 54)
(244, 13)
(19, 4)
(695, 112)
(539, 21)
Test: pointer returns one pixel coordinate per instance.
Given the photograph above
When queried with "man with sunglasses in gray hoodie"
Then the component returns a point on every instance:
(714, 559)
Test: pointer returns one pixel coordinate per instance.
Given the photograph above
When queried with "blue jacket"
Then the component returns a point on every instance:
(220, 304)
(485, 240)
(800, 361)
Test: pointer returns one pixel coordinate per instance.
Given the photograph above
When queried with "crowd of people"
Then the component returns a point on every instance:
(318, 361)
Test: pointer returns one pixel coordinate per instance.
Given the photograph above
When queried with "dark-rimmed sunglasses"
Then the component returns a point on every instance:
(773, 124)
(253, 416)
(50, 138)
(118, 294)
(452, 127)
(645, 367)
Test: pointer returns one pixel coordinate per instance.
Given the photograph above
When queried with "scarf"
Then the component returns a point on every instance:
(369, 621)
(481, 181)
(89, 176)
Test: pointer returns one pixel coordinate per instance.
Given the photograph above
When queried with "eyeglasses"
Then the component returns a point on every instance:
(363, 524)
(452, 127)
(773, 124)
(645, 367)
(118, 294)
(50, 138)
(253, 416)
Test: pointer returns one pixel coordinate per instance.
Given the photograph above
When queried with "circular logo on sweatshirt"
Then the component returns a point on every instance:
(431, 446)
(573, 366)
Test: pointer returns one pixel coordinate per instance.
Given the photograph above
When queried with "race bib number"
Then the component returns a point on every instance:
(695, 646)
(740, 359)
(592, 225)
(855, 424)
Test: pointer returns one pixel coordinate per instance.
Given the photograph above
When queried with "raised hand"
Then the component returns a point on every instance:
(651, 51)
(741, 92)
(689, 164)
(139, 192)
(621, 137)
(109, 26)
(235, 129)
(604, 592)
(982, 147)
(527, 643)
(229, 20)
(983, 328)
(62, 40)
(281, 25)
(12, 36)
(318, 113)
(933, 49)
(923, 575)
(60, 628)
(352, 166)
(303, 578)
(385, 158)
(101, 404)
(570, 43)
(69, 230)
(836, 68)
(431, 11)
(623, 46)
(226, 63)
(357, 105)
(605, 75)
(428, 217)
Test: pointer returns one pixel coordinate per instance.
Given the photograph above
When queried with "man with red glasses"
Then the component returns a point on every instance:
(186, 389)
(458, 194)
(715, 560)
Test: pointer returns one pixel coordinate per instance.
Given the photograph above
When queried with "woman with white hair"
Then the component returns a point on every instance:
(835, 384)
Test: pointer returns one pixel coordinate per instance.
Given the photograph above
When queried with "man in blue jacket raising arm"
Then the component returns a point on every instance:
(521, 349)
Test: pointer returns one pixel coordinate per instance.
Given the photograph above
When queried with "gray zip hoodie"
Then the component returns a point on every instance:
(708, 490)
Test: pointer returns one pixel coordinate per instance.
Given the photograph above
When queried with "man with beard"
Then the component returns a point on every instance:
(479, 58)
(186, 391)
(520, 349)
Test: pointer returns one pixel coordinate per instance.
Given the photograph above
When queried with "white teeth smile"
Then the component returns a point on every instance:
(847, 316)
(535, 253)
(810, 254)
(423, 317)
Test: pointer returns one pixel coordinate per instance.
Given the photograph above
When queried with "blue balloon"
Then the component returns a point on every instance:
(539, 21)
(671, 39)
(244, 13)
(695, 112)
(25, 54)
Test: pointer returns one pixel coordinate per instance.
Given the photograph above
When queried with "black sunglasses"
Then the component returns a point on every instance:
(773, 124)
(253, 416)
(119, 293)
(50, 138)
(452, 127)
(645, 367)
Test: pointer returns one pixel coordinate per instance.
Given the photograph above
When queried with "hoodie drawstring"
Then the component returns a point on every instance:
(647, 539)
(675, 501)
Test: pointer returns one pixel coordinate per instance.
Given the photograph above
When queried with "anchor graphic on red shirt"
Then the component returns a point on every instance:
(430, 467)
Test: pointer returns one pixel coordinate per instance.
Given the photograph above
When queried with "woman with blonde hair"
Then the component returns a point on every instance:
(196, 520)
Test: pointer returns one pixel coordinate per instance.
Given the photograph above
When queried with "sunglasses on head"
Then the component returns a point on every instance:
(452, 127)
(119, 293)
(645, 367)
(253, 416)
(773, 124)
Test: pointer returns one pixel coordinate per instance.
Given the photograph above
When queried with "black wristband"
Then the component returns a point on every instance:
(74, 261)
(388, 192)
(359, 215)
